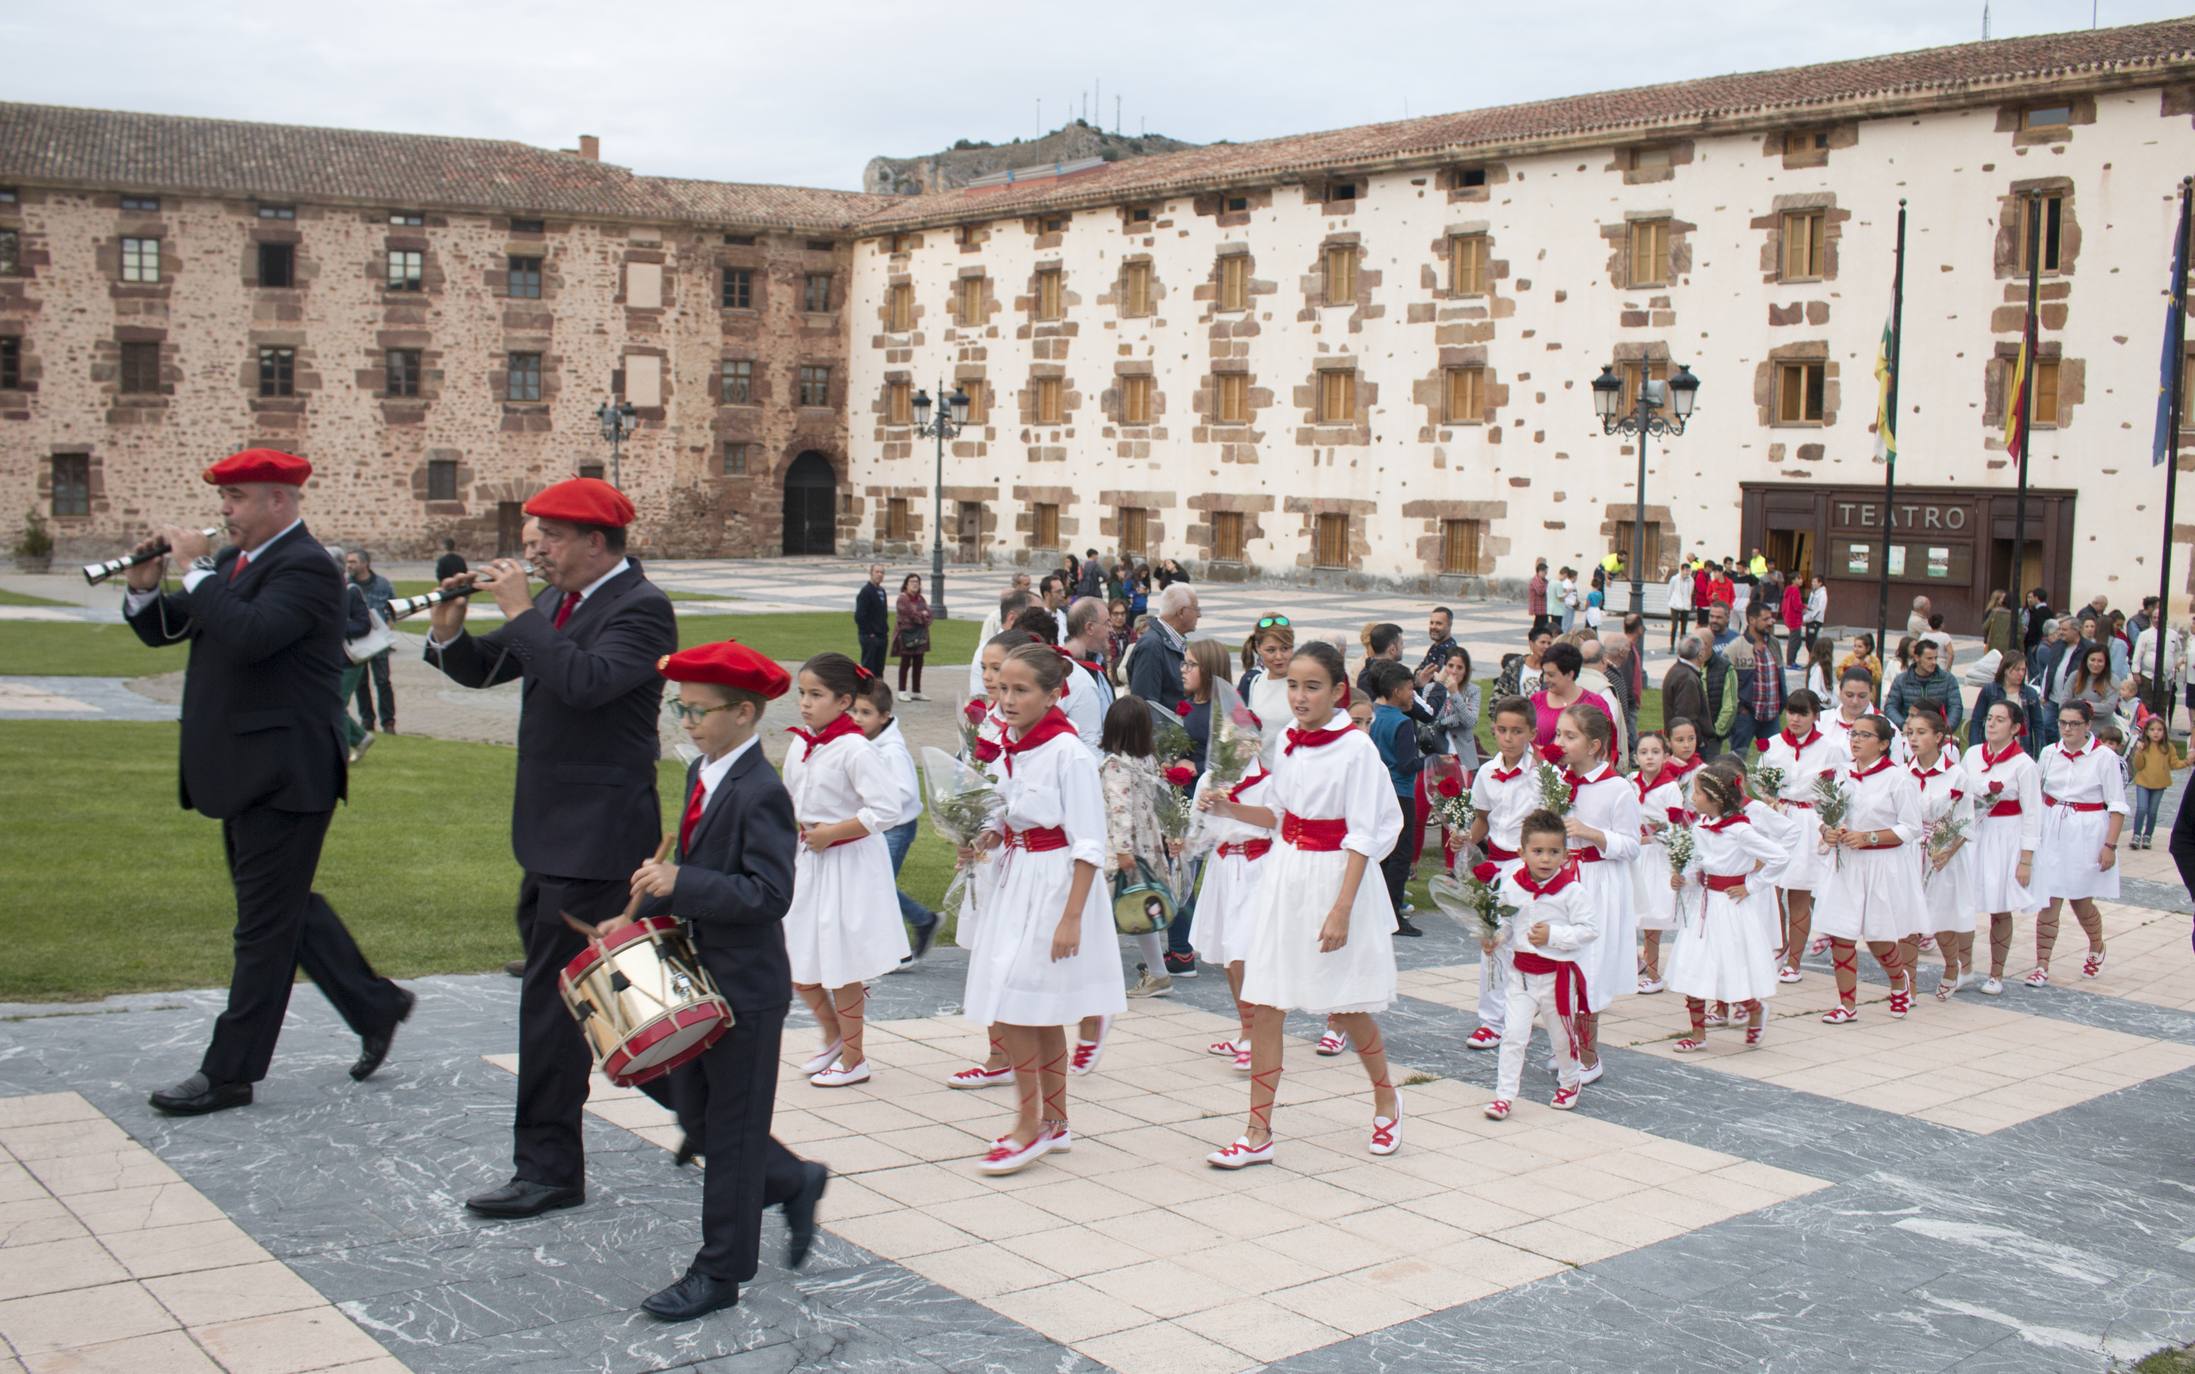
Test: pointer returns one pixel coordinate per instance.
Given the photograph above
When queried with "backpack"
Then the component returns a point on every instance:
(1509, 682)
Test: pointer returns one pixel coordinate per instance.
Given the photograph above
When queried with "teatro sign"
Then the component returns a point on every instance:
(1905, 515)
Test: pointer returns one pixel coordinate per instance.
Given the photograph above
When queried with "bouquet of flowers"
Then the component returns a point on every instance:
(1556, 793)
(1170, 742)
(1937, 839)
(1766, 779)
(1473, 900)
(1681, 842)
(1831, 804)
(1233, 750)
(1452, 804)
(1175, 810)
(961, 804)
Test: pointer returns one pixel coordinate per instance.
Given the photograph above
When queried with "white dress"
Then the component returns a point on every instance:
(1342, 780)
(2081, 792)
(1608, 803)
(1664, 804)
(1802, 762)
(1874, 895)
(1268, 701)
(976, 896)
(843, 926)
(1012, 977)
(1226, 902)
(1725, 951)
(1998, 836)
(1948, 891)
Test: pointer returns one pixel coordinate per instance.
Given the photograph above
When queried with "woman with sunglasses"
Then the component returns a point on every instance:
(1265, 687)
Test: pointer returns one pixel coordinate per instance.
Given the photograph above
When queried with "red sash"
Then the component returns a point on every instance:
(1586, 855)
(1723, 882)
(1569, 988)
(1313, 836)
(1248, 849)
(1498, 854)
(2049, 800)
(1037, 841)
(2005, 808)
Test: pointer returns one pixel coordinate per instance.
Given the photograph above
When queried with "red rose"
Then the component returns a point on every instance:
(1451, 787)
(1181, 775)
(974, 709)
(1551, 752)
(1184, 707)
(1761, 745)
(1485, 872)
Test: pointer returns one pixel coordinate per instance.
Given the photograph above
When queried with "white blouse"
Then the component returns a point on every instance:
(1658, 801)
(2011, 778)
(891, 743)
(1610, 805)
(1055, 786)
(1733, 848)
(1254, 790)
(1944, 794)
(2093, 775)
(1813, 757)
(845, 779)
(1505, 799)
(1883, 798)
(1340, 780)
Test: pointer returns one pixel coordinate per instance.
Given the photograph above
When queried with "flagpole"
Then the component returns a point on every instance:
(2031, 344)
(1890, 450)
(2176, 333)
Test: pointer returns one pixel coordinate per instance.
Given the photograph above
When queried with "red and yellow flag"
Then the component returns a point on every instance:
(2015, 401)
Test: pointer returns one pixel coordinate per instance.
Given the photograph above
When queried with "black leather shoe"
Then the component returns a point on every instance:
(198, 1095)
(696, 1295)
(800, 1214)
(520, 1198)
(688, 1152)
(372, 1049)
(516, 968)
(1403, 927)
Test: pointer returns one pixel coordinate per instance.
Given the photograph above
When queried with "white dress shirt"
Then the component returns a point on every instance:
(136, 600)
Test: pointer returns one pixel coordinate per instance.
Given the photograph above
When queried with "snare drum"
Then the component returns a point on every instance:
(644, 1001)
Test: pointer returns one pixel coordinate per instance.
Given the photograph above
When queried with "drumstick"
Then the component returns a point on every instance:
(594, 933)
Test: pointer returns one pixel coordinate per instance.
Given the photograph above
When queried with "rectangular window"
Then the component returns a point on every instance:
(815, 385)
(522, 278)
(1338, 396)
(527, 226)
(895, 518)
(9, 195)
(1627, 540)
(1135, 530)
(141, 260)
(411, 218)
(1055, 224)
(739, 382)
(1135, 400)
(968, 301)
(1341, 191)
(278, 372)
(1633, 373)
(1469, 178)
(1652, 159)
(1467, 264)
(11, 252)
(1799, 389)
(1340, 261)
(1802, 245)
(1805, 141)
(278, 212)
(72, 484)
(1234, 282)
(898, 403)
(277, 264)
(401, 372)
(1135, 288)
(739, 240)
(979, 410)
(407, 269)
(2187, 392)
(593, 470)
(1466, 396)
(145, 204)
(1140, 215)
(2046, 117)
(1237, 204)
(735, 459)
(899, 308)
(1049, 294)
(1227, 541)
(817, 245)
(815, 293)
(1459, 546)
(1234, 397)
(2050, 241)
(739, 289)
(2046, 391)
(11, 363)
(1048, 400)
(441, 479)
(1650, 252)
(140, 367)
(1330, 544)
(523, 381)
(1044, 528)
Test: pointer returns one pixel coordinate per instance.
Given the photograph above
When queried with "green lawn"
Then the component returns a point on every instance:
(8, 598)
(82, 650)
(419, 863)
(420, 586)
(795, 636)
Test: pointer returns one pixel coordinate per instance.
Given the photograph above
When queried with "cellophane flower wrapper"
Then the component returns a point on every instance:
(1831, 805)
(961, 804)
(1473, 903)
(1556, 794)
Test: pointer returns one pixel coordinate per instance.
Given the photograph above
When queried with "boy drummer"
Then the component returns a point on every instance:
(732, 884)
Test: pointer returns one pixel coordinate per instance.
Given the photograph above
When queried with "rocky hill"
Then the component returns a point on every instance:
(968, 161)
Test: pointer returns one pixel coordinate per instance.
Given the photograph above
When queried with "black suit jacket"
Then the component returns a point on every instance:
(261, 721)
(735, 883)
(872, 617)
(586, 802)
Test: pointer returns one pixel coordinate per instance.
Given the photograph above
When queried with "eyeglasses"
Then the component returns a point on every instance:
(689, 715)
(1269, 621)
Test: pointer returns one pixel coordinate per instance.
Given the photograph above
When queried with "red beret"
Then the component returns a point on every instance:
(258, 465)
(582, 501)
(729, 664)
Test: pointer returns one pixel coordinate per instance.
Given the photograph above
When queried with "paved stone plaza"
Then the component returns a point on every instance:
(1996, 1184)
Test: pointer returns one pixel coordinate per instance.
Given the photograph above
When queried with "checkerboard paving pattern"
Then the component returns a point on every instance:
(1134, 1252)
(109, 1261)
(2146, 954)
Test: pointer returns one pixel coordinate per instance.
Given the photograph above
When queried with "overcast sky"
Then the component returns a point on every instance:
(807, 93)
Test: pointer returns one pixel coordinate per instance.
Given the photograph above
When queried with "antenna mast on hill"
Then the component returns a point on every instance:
(1985, 20)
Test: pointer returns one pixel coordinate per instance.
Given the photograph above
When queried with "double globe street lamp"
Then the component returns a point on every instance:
(1662, 410)
(948, 424)
(618, 421)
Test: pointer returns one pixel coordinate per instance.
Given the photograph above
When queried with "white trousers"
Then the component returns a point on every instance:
(1494, 989)
(1531, 998)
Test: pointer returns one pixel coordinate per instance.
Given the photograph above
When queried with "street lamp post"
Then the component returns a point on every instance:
(951, 416)
(617, 422)
(1645, 422)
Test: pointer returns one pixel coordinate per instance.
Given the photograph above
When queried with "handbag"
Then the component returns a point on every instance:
(1142, 902)
(914, 639)
(376, 641)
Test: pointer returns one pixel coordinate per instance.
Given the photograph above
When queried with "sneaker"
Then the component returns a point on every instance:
(1688, 1045)
(1241, 1155)
(818, 1063)
(1332, 1043)
(1227, 1049)
(1992, 986)
(980, 1076)
(839, 1076)
(2038, 977)
(1008, 1158)
(1593, 1074)
(363, 745)
(1789, 975)
(1404, 927)
(1408, 909)
(1147, 986)
(1181, 965)
(1840, 1015)
(1498, 1109)
(1649, 986)
(1564, 1100)
(1088, 1052)
(1386, 1135)
(920, 697)
(1484, 1038)
(903, 695)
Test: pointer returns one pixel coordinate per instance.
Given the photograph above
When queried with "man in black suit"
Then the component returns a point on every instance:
(585, 811)
(263, 753)
(732, 884)
(873, 621)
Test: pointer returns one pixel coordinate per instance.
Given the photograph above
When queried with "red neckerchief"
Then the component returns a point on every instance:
(1502, 774)
(1798, 746)
(1050, 728)
(1312, 739)
(1943, 765)
(1564, 876)
(1234, 794)
(2011, 747)
(1577, 780)
(1878, 766)
(1684, 769)
(842, 725)
(1647, 785)
(1061, 650)
(1845, 725)
(2069, 755)
(1734, 818)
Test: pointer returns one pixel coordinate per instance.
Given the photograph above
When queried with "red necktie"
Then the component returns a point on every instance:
(693, 818)
(565, 608)
(236, 569)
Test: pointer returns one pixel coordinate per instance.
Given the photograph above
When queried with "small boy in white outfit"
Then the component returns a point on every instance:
(1554, 920)
(1505, 791)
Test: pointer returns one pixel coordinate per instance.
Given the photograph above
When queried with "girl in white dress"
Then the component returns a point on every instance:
(1947, 881)
(1267, 694)
(1855, 703)
(1723, 951)
(1603, 826)
(1321, 937)
(1045, 960)
(1226, 905)
(843, 927)
(2084, 806)
(1661, 805)
(2008, 820)
(984, 756)
(1802, 752)
(1873, 891)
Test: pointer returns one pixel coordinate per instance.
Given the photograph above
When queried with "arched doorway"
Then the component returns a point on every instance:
(811, 505)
